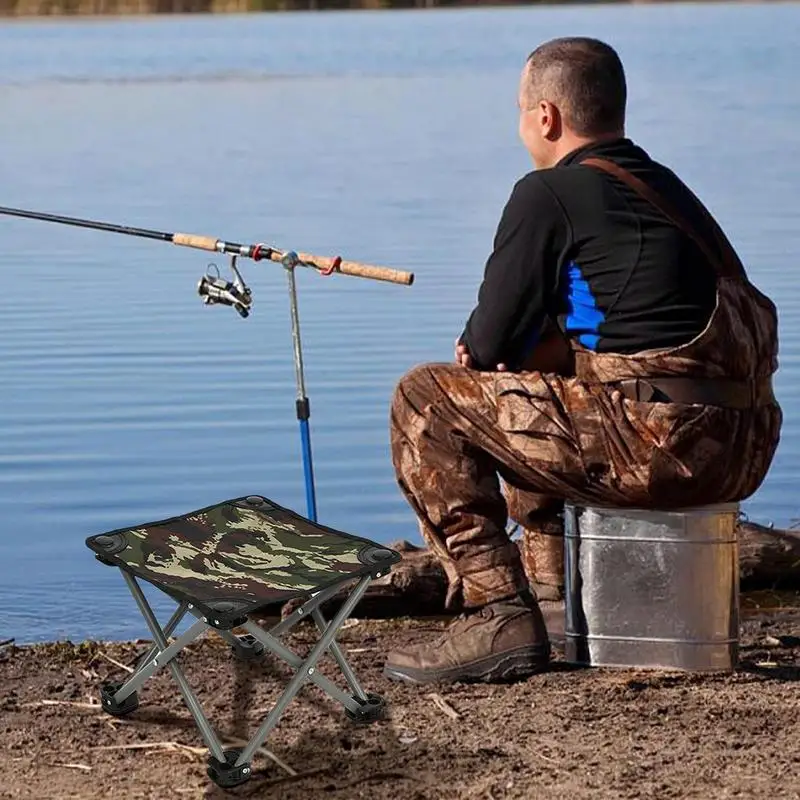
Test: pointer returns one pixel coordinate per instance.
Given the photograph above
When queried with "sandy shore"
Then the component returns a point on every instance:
(563, 734)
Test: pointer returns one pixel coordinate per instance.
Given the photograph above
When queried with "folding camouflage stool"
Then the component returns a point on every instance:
(222, 564)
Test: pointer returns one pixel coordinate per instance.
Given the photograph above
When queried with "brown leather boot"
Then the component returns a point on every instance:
(502, 641)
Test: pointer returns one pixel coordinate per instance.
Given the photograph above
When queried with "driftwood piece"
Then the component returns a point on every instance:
(769, 558)
(416, 586)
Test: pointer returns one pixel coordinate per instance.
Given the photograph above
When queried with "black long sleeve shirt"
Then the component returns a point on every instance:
(579, 247)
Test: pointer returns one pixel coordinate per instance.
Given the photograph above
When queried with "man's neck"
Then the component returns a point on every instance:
(571, 144)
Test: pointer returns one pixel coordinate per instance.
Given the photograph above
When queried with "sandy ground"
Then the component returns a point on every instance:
(563, 734)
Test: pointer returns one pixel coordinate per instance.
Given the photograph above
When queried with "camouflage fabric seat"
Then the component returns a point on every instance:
(223, 563)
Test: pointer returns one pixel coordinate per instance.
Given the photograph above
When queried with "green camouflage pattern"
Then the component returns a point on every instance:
(226, 552)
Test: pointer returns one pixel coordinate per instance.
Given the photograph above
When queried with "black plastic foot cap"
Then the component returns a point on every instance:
(248, 648)
(371, 710)
(226, 775)
(111, 706)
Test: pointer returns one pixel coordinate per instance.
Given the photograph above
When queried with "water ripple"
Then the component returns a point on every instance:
(389, 138)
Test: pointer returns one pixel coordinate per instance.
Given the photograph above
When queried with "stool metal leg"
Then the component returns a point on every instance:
(338, 655)
(305, 672)
(211, 739)
(172, 623)
(314, 601)
(278, 649)
(160, 659)
(293, 660)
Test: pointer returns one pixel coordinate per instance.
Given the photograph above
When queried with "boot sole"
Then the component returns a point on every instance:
(501, 668)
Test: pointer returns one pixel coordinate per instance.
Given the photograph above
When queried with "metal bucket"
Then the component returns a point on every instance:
(652, 589)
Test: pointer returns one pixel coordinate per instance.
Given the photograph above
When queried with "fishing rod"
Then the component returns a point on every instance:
(216, 290)
(324, 264)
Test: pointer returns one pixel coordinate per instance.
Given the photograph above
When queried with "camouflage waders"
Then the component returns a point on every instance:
(541, 541)
(601, 436)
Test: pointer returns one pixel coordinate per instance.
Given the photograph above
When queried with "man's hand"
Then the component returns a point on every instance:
(462, 355)
(551, 354)
(465, 359)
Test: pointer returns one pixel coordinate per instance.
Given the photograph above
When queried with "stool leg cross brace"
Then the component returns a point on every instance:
(232, 767)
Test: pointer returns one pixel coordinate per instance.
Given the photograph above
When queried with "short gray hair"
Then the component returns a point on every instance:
(584, 77)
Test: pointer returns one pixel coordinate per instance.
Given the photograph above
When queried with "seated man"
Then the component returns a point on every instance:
(663, 396)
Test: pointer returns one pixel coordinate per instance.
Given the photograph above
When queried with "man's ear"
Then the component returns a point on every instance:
(549, 120)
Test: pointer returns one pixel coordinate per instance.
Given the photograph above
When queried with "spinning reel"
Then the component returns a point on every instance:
(216, 290)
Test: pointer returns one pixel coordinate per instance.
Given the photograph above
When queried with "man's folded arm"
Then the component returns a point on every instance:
(520, 278)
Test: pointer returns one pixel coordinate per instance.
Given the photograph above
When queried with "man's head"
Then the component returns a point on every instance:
(572, 92)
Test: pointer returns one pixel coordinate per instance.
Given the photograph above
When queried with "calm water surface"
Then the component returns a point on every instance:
(387, 137)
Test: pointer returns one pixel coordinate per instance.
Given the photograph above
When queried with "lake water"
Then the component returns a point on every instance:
(386, 137)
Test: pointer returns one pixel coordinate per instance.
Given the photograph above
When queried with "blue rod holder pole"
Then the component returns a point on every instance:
(308, 469)
(290, 261)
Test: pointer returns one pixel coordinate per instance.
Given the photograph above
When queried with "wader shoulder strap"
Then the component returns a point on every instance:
(726, 264)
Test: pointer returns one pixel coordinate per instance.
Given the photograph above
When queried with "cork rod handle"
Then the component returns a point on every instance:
(192, 240)
(325, 264)
(354, 268)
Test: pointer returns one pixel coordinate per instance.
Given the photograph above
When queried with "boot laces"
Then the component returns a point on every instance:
(484, 612)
